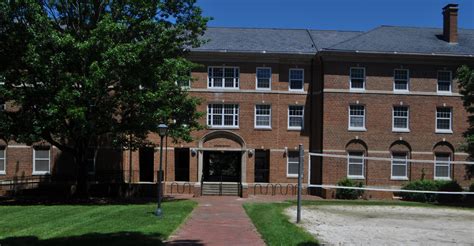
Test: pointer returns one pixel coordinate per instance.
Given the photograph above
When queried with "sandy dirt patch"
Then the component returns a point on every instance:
(387, 225)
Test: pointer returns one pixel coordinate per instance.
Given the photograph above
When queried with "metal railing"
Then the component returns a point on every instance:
(276, 189)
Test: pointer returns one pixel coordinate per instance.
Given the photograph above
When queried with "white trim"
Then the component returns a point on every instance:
(408, 81)
(349, 163)
(450, 130)
(236, 79)
(41, 159)
(383, 92)
(352, 128)
(4, 171)
(256, 79)
(378, 188)
(406, 129)
(350, 79)
(289, 79)
(450, 82)
(405, 177)
(436, 163)
(296, 128)
(255, 117)
(216, 90)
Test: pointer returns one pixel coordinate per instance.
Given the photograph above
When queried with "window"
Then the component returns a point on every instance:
(3, 160)
(357, 117)
(183, 80)
(223, 115)
(296, 80)
(442, 166)
(41, 160)
(355, 164)
(400, 119)
(223, 77)
(263, 116)
(264, 78)
(399, 165)
(444, 81)
(443, 120)
(295, 117)
(292, 163)
(400, 80)
(90, 160)
(357, 78)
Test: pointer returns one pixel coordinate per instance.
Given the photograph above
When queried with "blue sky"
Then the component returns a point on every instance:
(333, 14)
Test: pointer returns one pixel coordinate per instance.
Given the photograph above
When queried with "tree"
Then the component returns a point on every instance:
(81, 72)
(465, 75)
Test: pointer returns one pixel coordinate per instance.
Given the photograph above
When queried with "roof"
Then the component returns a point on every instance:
(383, 39)
(408, 40)
(257, 40)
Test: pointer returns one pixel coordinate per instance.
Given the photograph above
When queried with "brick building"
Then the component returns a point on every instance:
(388, 92)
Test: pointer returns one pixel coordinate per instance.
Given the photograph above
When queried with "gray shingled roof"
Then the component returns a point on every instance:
(257, 40)
(408, 40)
(386, 39)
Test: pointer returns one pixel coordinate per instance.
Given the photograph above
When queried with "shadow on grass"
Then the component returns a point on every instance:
(116, 239)
(27, 201)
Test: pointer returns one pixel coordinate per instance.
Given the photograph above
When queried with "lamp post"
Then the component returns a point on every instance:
(162, 131)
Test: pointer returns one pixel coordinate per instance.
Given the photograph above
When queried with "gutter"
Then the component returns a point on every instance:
(393, 53)
(253, 52)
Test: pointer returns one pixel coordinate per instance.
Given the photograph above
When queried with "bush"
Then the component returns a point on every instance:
(346, 193)
(449, 198)
(429, 185)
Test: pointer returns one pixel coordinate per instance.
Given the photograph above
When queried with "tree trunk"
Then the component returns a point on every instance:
(82, 189)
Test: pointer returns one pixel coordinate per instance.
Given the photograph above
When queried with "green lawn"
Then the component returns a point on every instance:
(90, 224)
(276, 229)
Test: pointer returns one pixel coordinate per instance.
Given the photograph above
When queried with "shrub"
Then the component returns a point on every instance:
(347, 193)
(450, 198)
(429, 185)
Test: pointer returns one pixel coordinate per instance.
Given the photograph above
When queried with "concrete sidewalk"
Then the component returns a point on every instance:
(217, 221)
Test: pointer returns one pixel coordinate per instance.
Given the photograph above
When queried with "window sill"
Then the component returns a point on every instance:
(295, 129)
(444, 92)
(357, 129)
(295, 90)
(442, 178)
(356, 89)
(40, 173)
(444, 131)
(292, 176)
(263, 89)
(222, 127)
(224, 88)
(3, 173)
(355, 177)
(401, 91)
(399, 178)
(400, 130)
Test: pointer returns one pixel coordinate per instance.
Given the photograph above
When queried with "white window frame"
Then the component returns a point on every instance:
(291, 175)
(41, 159)
(450, 130)
(290, 80)
(302, 118)
(4, 159)
(404, 177)
(270, 79)
(236, 80)
(235, 118)
(436, 163)
(269, 115)
(350, 79)
(408, 80)
(349, 163)
(395, 129)
(352, 128)
(450, 82)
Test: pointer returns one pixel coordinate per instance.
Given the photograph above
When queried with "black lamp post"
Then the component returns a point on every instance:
(162, 131)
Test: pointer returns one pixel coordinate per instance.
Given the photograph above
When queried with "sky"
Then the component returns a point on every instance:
(361, 15)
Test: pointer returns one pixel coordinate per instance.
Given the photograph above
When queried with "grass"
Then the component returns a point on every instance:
(90, 224)
(276, 229)
(274, 225)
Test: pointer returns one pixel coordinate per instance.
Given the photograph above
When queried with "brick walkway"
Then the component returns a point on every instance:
(217, 221)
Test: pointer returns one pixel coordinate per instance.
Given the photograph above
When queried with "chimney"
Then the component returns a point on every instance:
(450, 23)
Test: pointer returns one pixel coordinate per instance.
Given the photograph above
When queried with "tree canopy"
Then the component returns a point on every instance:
(465, 75)
(78, 71)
